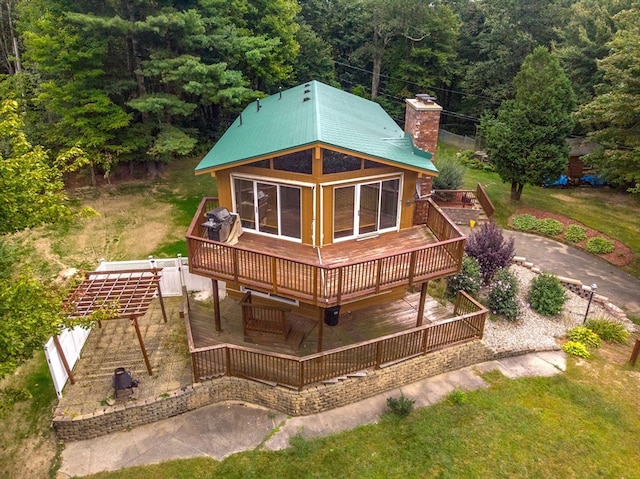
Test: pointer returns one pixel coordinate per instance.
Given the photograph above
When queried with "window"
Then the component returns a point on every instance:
(366, 208)
(269, 208)
(335, 162)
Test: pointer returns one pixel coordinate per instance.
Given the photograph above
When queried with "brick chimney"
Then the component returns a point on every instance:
(422, 121)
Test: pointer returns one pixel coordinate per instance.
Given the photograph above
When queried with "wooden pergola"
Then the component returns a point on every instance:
(131, 291)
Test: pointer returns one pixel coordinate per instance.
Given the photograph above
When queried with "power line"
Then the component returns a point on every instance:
(401, 101)
(447, 90)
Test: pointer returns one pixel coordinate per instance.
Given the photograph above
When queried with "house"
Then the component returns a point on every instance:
(332, 200)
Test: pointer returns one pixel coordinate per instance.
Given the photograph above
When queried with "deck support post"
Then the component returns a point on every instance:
(216, 304)
(320, 328)
(423, 298)
(164, 311)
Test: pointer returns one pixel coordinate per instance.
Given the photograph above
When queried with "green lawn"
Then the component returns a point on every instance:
(612, 212)
(582, 424)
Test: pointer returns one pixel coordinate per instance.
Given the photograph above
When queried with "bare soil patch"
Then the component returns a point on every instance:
(620, 256)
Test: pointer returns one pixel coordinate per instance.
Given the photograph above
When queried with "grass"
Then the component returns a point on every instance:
(27, 447)
(609, 211)
(580, 424)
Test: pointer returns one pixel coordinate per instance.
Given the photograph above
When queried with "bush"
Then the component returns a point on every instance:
(451, 176)
(549, 227)
(524, 222)
(401, 406)
(547, 296)
(487, 245)
(576, 349)
(585, 336)
(608, 330)
(599, 245)
(457, 396)
(575, 234)
(467, 280)
(503, 292)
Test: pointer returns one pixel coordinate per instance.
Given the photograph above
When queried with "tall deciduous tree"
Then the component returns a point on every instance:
(614, 114)
(31, 186)
(527, 139)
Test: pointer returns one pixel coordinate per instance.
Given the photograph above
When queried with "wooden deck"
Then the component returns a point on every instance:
(334, 274)
(353, 327)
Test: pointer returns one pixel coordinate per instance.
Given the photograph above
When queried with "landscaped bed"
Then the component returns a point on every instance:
(620, 256)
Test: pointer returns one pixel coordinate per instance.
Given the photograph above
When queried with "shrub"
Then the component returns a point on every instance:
(524, 222)
(487, 245)
(608, 330)
(585, 336)
(575, 234)
(549, 227)
(467, 280)
(451, 176)
(401, 406)
(576, 349)
(457, 396)
(503, 292)
(547, 296)
(599, 245)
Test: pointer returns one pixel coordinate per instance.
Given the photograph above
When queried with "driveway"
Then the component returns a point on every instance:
(551, 256)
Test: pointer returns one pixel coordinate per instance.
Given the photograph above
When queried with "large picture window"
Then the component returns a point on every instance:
(269, 208)
(366, 208)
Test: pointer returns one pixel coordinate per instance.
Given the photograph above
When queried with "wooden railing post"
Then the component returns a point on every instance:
(274, 275)
(635, 352)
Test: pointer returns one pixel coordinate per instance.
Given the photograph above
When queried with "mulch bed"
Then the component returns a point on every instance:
(620, 256)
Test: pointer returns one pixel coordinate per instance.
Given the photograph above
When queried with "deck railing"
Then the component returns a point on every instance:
(326, 285)
(465, 199)
(484, 201)
(298, 372)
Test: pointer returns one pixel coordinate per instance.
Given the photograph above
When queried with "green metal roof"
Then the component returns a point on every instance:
(315, 113)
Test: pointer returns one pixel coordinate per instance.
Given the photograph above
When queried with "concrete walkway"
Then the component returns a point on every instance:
(220, 430)
(621, 288)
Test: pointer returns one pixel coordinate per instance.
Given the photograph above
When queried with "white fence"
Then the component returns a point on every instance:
(175, 274)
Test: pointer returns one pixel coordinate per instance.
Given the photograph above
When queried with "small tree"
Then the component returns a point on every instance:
(487, 245)
(527, 140)
(450, 177)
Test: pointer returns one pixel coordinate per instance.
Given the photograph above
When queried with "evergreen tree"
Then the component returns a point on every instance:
(614, 114)
(527, 139)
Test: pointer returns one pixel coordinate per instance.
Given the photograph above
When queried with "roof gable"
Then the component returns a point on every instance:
(314, 113)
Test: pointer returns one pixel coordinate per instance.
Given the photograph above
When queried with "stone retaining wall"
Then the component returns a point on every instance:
(310, 400)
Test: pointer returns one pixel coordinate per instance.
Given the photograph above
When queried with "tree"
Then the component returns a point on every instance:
(613, 116)
(487, 245)
(496, 38)
(584, 41)
(527, 139)
(31, 186)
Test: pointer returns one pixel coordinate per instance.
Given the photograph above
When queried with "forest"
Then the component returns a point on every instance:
(112, 83)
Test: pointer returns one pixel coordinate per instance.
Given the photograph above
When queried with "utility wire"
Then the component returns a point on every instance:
(447, 90)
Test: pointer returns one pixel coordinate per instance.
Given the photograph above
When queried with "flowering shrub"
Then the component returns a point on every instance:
(575, 233)
(503, 292)
(549, 227)
(487, 245)
(599, 245)
(467, 280)
(547, 296)
(524, 222)
(585, 336)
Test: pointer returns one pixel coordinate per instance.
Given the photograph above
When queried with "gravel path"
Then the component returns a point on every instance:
(531, 331)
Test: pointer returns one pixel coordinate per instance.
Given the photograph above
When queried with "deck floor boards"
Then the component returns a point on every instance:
(352, 327)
